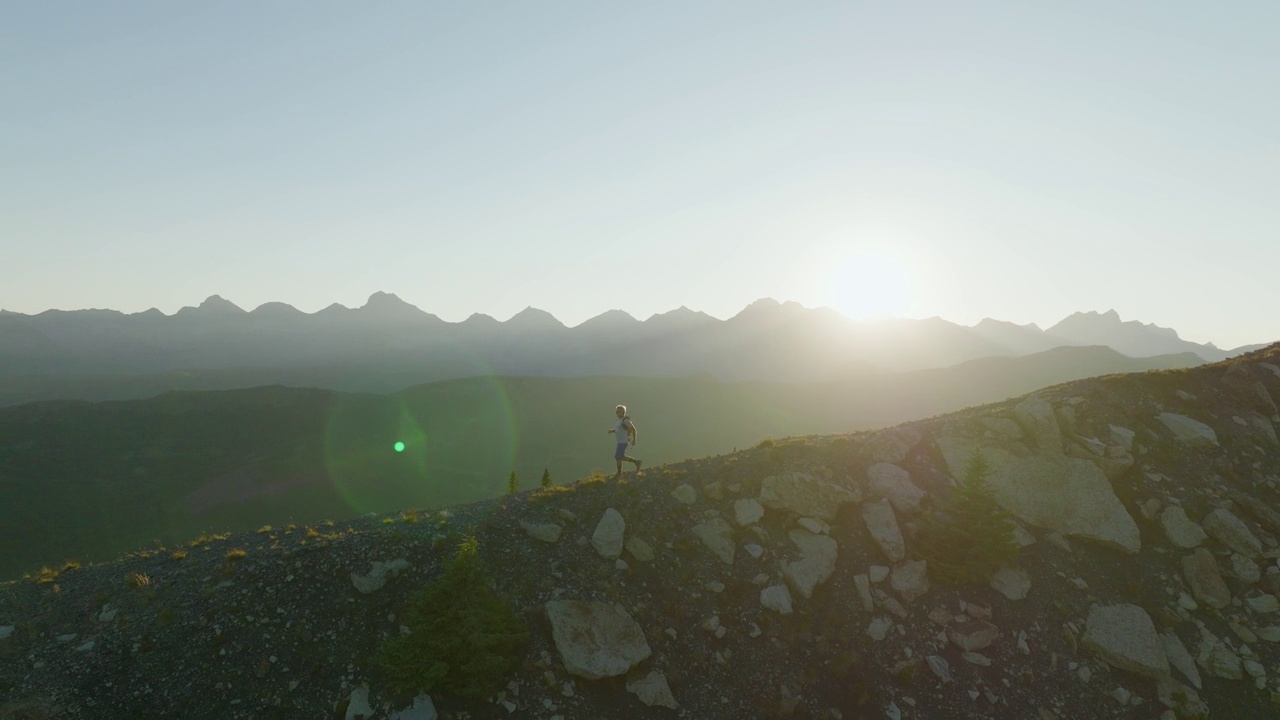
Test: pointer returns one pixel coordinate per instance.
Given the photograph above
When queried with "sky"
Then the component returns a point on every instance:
(1013, 160)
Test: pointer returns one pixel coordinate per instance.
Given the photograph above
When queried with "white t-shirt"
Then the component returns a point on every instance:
(620, 429)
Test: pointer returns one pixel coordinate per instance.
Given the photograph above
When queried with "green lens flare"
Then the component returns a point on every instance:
(399, 446)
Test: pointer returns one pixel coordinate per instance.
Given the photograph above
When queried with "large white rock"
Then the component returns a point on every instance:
(718, 537)
(1038, 420)
(804, 495)
(596, 640)
(376, 578)
(894, 484)
(1065, 494)
(607, 539)
(883, 526)
(776, 598)
(1232, 532)
(747, 511)
(817, 562)
(652, 689)
(1124, 636)
(1180, 529)
(1192, 432)
(910, 579)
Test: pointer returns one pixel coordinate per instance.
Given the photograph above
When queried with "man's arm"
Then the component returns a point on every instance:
(633, 432)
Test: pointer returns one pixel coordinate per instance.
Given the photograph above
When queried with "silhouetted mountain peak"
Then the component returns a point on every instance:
(214, 305)
(533, 318)
(992, 324)
(389, 304)
(611, 318)
(276, 310)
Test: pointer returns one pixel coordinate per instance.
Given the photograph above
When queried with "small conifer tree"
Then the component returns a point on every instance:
(969, 537)
(546, 478)
(463, 637)
(513, 485)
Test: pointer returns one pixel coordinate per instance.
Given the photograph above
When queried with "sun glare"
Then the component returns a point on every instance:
(867, 286)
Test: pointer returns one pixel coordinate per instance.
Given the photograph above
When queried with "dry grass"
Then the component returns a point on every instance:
(178, 554)
(235, 554)
(138, 579)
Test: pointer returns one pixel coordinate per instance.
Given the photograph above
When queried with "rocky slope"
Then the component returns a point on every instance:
(774, 582)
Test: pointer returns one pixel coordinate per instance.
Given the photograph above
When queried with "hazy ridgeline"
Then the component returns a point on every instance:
(88, 481)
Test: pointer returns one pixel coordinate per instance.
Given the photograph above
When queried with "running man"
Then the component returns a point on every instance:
(626, 432)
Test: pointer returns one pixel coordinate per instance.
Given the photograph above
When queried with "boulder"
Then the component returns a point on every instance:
(639, 549)
(747, 511)
(1216, 658)
(1232, 532)
(685, 494)
(358, 707)
(1244, 569)
(421, 709)
(377, 575)
(1064, 494)
(817, 562)
(883, 526)
(892, 446)
(1037, 418)
(1180, 529)
(607, 539)
(548, 533)
(1013, 583)
(1187, 430)
(1124, 636)
(718, 537)
(776, 598)
(596, 640)
(973, 635)
(652, 689)
(1201, 571)
(1178, 657)
(894, 484)
(910, 579)
(804, 495)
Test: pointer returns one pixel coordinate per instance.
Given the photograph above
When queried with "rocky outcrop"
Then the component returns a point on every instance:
(804, 495)
(1125, 637)
(1069, 495)
(596, 640)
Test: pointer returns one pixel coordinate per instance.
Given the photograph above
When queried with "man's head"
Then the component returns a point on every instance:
(620, 411)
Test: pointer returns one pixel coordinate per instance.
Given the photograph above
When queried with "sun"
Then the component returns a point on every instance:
(868, 286)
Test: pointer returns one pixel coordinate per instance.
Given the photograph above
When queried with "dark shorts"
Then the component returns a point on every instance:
(621, 452)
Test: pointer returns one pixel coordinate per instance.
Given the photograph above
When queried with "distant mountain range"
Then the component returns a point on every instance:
(389, 344)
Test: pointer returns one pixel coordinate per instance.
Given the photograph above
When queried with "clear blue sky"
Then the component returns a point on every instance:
(1018, 160)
